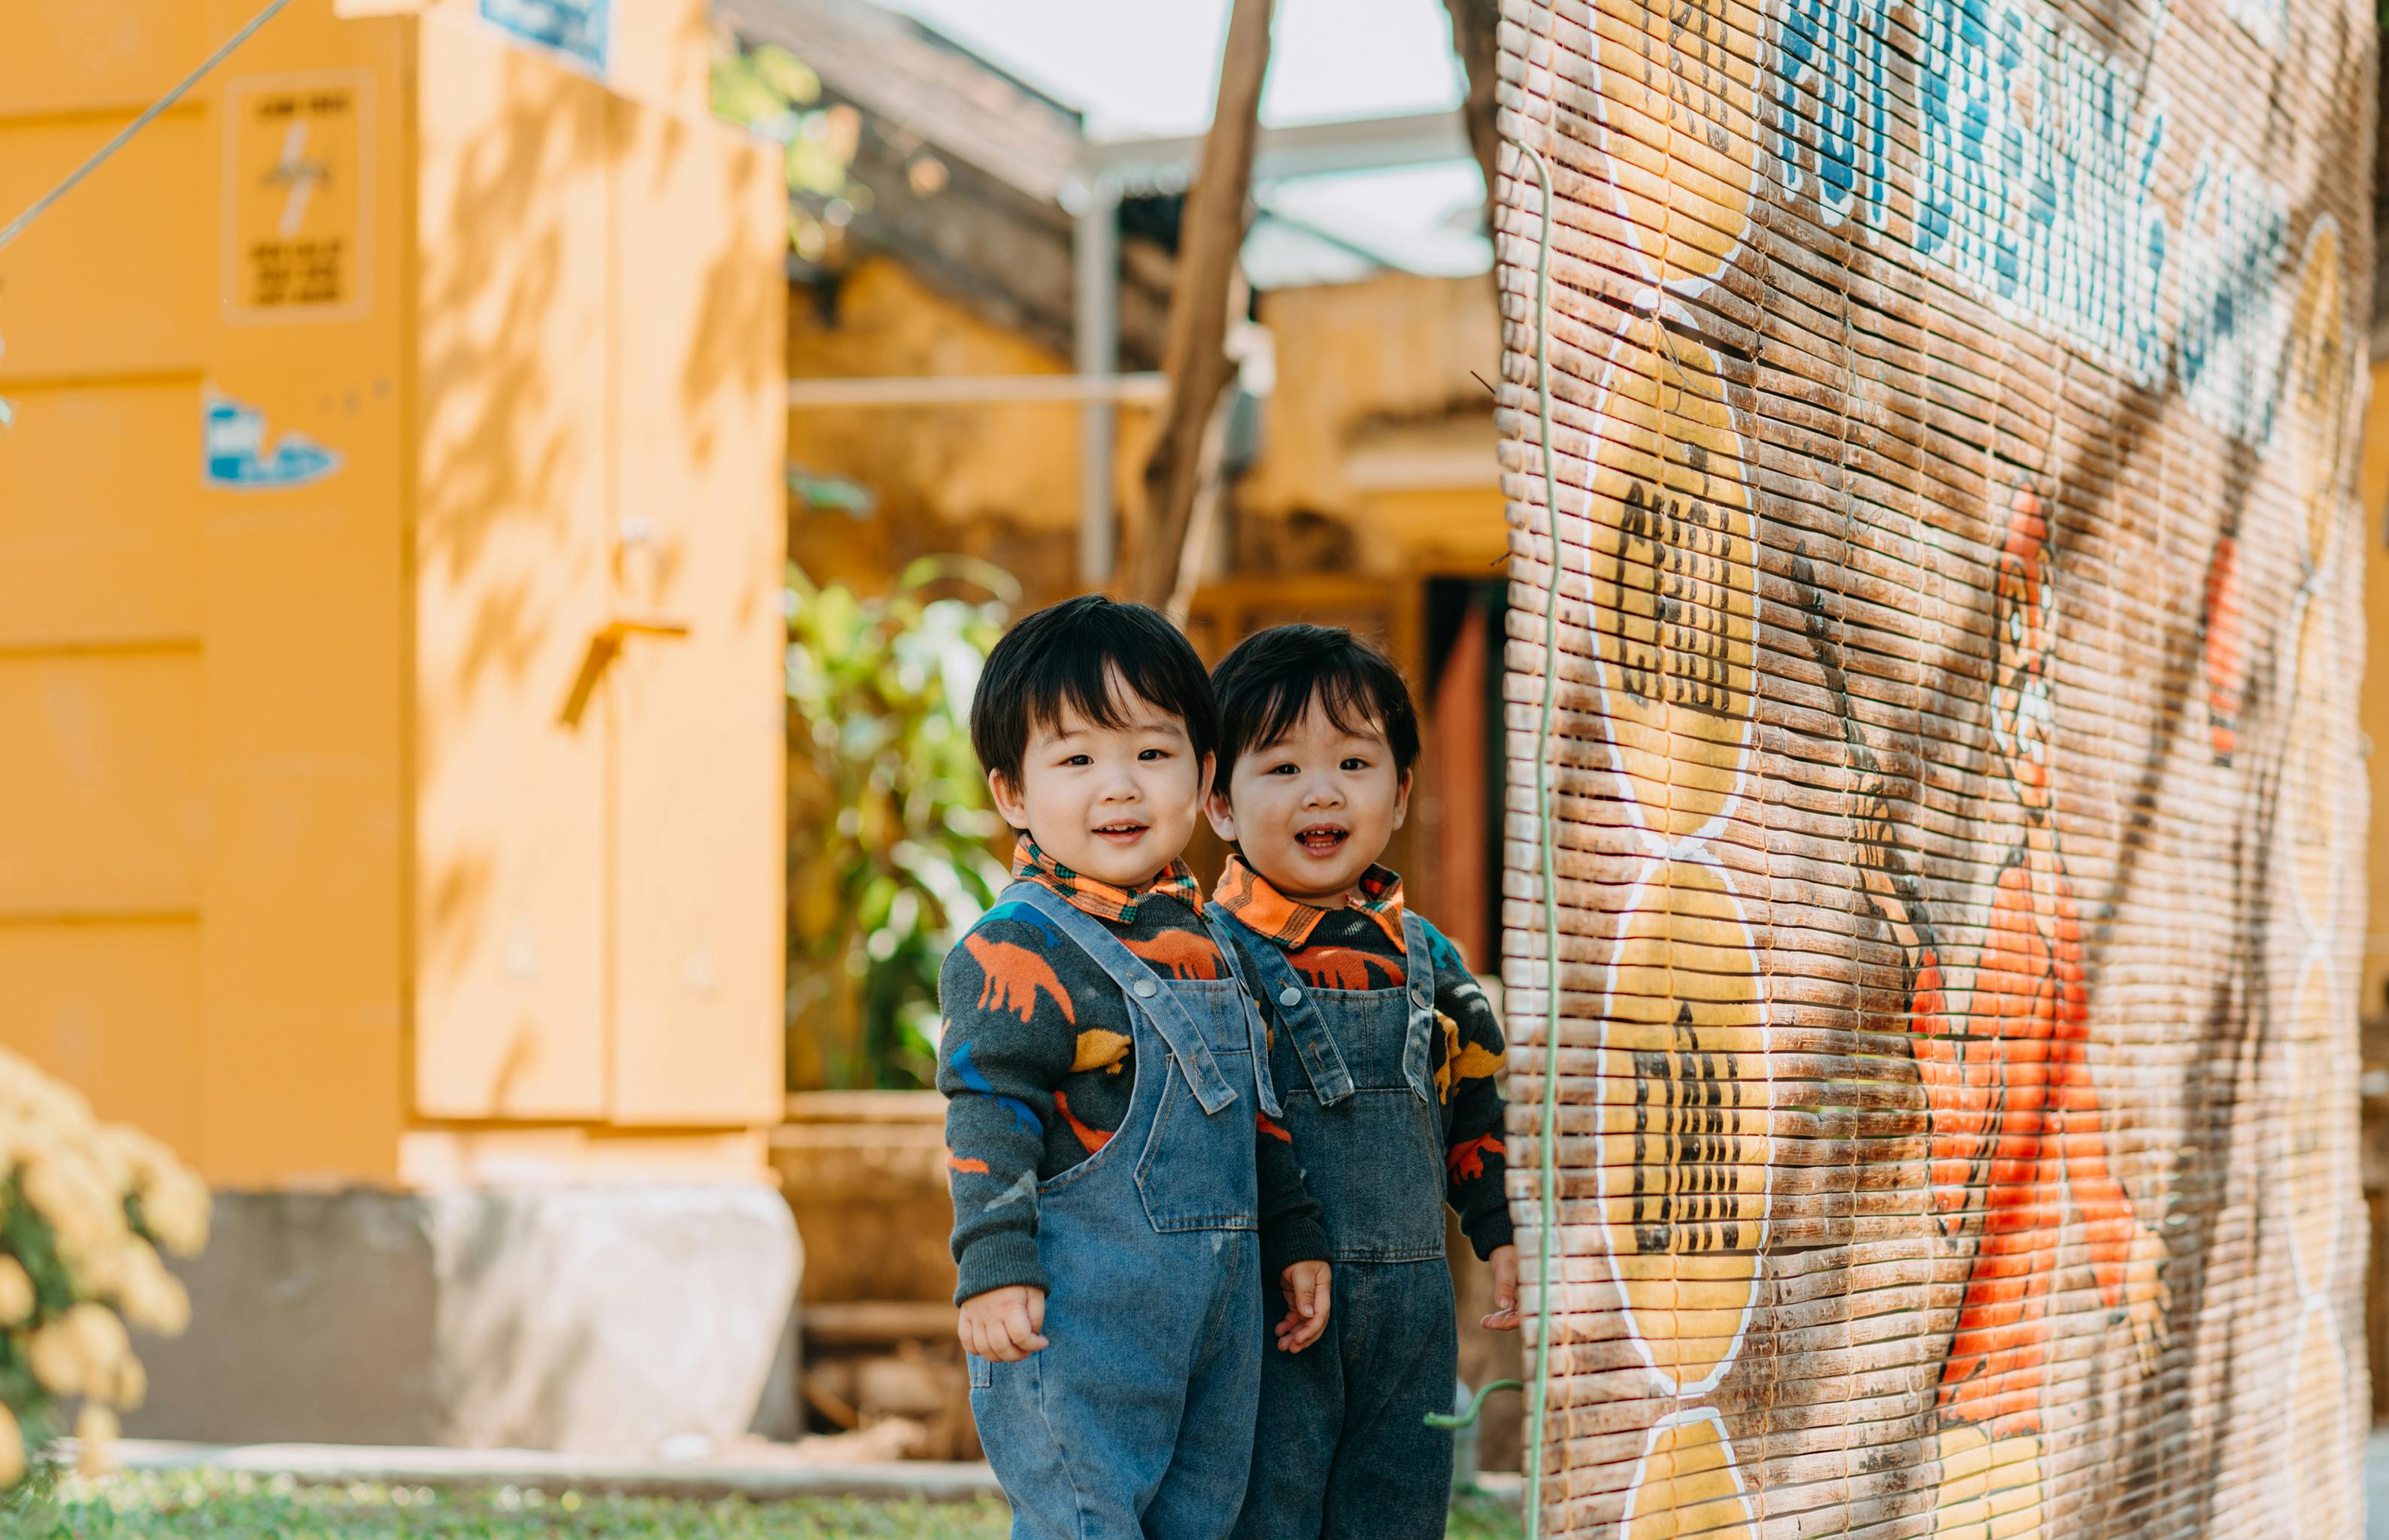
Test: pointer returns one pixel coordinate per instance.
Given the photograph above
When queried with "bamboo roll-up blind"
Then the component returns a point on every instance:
(1959, 810)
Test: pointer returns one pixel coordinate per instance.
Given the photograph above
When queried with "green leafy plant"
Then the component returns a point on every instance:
(891, 838)
(216, 1505)
(776, 95)
(219, 1504)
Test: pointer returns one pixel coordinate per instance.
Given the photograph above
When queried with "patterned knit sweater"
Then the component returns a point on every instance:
(1038, 1063)
(1360, 946)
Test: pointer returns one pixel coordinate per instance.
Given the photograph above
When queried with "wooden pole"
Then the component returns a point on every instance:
(1194, 550)
(1196, 360)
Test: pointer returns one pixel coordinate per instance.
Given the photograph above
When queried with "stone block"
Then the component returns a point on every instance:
(594, 1319)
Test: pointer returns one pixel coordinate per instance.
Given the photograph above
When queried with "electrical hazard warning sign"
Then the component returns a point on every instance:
(298, 168)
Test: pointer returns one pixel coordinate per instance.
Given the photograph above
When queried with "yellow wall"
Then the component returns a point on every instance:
(660, 52)
(1375, 426)
(2373, 704)
(301, 864)
(997, 481)
(1381, 421)
(952, 463)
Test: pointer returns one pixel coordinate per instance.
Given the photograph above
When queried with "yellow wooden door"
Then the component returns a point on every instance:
(512, 581)
(695, 697)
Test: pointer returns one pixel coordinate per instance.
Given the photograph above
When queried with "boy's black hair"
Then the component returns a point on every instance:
(1269, 680)
(1067, 656)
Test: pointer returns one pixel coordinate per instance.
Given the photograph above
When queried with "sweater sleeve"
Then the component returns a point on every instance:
(1291, 1230)
(1476, 1157)
(1005, 1046)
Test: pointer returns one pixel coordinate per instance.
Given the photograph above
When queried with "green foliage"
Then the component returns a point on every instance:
(212, 1506)
(30, 1507)
(215, 1505)
(891, 839)
(25, 1236)
(1478, 1516)
(771, 92)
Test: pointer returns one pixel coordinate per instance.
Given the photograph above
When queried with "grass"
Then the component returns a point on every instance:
(212, 1506)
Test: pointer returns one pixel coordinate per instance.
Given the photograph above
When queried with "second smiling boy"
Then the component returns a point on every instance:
(1121, 1196)
(1383, 1048)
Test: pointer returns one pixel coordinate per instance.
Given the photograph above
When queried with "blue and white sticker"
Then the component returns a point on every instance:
(236, 454)
(575, 28)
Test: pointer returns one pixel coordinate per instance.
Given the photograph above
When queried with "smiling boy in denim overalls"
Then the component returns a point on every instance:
(1121, 1190)
(1383, 1048)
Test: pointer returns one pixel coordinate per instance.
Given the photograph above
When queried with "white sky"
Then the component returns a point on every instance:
(1139, 67)
(1151, 66)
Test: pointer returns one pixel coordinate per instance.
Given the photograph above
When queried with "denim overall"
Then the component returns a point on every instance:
(1342, 1446)
(1137, 1419)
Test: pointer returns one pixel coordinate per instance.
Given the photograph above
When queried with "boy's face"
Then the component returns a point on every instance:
(1114, 804)
(1313, 810)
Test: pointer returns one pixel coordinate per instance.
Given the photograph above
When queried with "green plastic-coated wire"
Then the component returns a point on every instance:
(1538, 1394)
(1461, 1419)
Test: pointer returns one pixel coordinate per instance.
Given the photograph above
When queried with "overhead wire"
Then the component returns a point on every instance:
(124, 136)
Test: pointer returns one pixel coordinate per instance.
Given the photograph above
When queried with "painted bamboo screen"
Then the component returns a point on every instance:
(1958, 809)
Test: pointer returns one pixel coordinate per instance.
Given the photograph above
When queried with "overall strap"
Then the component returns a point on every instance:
(1418, 975)
(1147, 995)
(1296, 1016)
(1248, 990)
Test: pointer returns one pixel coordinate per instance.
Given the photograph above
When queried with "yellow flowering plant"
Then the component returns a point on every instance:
(85, 1209)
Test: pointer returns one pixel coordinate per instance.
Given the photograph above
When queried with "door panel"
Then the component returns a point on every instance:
(696, 696)
(510, 583)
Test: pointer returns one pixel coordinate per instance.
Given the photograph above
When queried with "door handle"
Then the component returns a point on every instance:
(604, 648)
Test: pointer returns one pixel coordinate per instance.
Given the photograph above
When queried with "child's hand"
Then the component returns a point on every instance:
(1006, 1325)
(1504, 1263)
(1305, 1287)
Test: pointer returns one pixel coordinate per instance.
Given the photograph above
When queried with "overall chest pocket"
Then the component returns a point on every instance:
(1374, 1158)
(1197, 1172)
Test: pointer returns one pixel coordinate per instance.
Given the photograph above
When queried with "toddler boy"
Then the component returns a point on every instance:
(1121, 1190)
(1384, 1049)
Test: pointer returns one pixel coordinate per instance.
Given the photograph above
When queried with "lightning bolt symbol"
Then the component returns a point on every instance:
(301, 177)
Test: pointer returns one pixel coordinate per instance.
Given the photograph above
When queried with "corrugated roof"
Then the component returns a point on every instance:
(902, 71)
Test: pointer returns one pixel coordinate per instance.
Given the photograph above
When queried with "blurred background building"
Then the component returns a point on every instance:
(505, 502)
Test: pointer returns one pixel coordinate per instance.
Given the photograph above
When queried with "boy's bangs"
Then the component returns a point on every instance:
(1103, 685)
(1341, 694)
(1094, 686)
(1094, 659)
(1273, 677)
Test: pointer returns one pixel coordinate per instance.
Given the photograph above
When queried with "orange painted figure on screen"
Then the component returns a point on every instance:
(2223, 647)
(2015, 1118)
